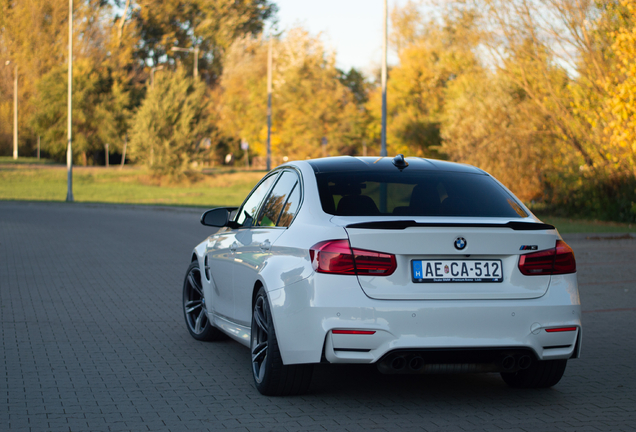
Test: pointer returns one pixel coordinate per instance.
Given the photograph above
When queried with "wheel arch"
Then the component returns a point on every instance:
(257, 286)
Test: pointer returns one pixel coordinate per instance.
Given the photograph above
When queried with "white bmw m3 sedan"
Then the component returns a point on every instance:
(415, 265)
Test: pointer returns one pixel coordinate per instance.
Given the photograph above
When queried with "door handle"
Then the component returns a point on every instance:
(233, 247)
(265, 246)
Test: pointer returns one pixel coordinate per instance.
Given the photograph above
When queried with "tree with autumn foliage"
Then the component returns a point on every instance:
(619, 113)
(312, 100)
(432, 55)
(116, 43)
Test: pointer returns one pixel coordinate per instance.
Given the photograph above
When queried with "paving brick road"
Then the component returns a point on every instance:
(93, 339)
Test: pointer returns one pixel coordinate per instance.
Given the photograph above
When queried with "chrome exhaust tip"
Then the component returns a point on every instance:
(398, 363)
(524, 362)
(416, 363)
(508, 363)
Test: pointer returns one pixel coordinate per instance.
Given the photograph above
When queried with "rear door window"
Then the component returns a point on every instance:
(248, 211)
(291, 207)
(283, 202)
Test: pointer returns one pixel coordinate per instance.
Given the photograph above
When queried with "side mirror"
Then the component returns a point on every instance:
(218, 217)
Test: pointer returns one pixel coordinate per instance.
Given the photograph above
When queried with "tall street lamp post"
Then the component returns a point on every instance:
(15, 110)
(384, 77)
(269, 104)
(194, 50)
(69, 150)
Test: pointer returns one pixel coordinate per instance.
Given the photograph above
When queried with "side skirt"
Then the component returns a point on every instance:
(239, 333)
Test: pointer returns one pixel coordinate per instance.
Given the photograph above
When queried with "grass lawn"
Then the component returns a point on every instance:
(568, 225)
(132, 185)
(31, 179)
(8, 160)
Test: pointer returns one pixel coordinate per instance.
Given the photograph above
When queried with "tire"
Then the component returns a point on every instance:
(194, 308)
(271, 376)
(540, 374)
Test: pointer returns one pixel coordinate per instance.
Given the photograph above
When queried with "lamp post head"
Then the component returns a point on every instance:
(181, 49)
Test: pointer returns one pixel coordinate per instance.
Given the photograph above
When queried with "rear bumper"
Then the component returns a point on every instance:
(305, 313)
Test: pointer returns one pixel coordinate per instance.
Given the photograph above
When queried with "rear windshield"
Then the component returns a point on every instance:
(416, 193)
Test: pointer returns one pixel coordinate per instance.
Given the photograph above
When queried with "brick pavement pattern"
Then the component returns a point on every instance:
(93, 339)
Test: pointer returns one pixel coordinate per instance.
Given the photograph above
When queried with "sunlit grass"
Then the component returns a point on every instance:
(21, 160)
(130, 185)
(568, 225)
(31, 180)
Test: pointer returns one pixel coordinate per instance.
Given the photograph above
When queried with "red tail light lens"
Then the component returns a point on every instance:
(332, 256)
(537, 263)
(564, 261)
(558, 260)
(337, 257)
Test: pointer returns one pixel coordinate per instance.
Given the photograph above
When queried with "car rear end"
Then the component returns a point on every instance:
(441, 269)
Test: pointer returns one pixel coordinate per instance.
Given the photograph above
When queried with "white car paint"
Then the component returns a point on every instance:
(306, 305)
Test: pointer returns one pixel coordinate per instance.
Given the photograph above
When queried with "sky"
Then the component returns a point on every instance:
(353, 28)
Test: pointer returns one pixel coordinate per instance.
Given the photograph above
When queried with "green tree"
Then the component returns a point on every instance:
(169, 126)
(95, 110)
(113, 116)
(211, 24)
(357, 83)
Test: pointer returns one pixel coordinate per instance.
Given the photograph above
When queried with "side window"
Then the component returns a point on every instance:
(277, 201)
(247, 213)
(291, 207)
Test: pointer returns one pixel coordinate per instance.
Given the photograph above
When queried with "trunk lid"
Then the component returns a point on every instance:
(433, 242)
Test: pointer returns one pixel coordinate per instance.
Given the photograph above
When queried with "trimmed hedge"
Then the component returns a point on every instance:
(611, 198)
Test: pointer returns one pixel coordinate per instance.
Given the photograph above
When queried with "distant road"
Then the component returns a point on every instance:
(93, 339)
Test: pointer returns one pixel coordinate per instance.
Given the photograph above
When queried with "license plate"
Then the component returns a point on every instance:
(442, 271)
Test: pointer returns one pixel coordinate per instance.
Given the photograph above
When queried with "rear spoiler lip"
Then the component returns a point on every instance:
(403, 224)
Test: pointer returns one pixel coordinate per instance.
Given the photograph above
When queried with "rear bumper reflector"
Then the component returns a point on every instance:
(353, 332)
(560, 329)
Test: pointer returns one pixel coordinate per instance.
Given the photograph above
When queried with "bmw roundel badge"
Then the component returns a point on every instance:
(460, 243)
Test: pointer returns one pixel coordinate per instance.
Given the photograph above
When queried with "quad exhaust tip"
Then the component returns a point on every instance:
(508, 363)
(524, 362)
(398, 363)
(515, 363)
(416, 363)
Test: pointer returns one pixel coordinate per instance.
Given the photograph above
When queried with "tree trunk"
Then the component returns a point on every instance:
(123, 156)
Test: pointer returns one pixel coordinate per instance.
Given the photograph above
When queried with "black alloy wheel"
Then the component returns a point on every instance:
(271, 376)
(194, 307)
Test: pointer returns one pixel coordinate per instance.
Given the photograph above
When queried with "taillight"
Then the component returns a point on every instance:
(337, 257)
(564, 261)
(558, 260)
